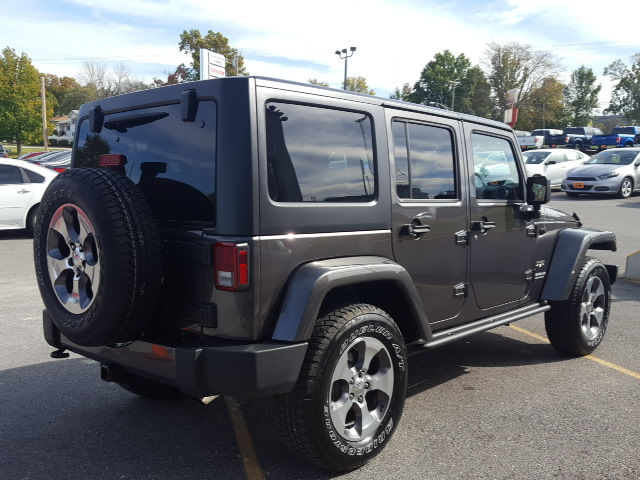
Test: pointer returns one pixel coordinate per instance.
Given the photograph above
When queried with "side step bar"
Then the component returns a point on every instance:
(461, 331)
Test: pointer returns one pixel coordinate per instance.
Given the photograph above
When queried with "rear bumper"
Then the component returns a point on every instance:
(200, 370)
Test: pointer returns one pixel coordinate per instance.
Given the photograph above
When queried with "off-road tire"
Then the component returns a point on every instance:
(146, 388)
(128, 256)
(572, 325)
(306, 416)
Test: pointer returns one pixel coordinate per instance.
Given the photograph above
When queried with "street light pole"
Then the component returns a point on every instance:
(346, 55)
(453, 84)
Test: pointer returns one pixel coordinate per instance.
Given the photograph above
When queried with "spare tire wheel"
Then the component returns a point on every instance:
(98, 256)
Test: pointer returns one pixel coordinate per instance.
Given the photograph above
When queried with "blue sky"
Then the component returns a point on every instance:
(297, 40)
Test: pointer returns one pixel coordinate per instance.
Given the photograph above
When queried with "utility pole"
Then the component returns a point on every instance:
(340, 53)
(543, 115)
(453, 84)
(45, 139)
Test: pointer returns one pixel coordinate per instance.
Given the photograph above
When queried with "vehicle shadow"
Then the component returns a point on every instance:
(625, 291)
(60, 421)
(427, 370)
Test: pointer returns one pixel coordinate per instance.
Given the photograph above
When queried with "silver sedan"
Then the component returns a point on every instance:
(609, 172)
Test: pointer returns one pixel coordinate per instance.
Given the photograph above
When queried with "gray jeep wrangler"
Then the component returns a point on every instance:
(251, 236)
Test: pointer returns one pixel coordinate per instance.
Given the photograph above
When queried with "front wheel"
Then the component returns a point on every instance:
(626, 188)
(577, 325)
(351, 390)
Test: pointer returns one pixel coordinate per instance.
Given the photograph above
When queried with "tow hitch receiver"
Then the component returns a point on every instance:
(60, 353)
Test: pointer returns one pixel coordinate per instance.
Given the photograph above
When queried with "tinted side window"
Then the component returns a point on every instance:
(33, 176)
(319, 154)
(495, 168)
(10, 175)
(173, 162)
(425, 162)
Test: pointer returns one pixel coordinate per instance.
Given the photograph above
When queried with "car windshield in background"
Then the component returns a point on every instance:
(610, 157)
(533, 158)
(575, 131)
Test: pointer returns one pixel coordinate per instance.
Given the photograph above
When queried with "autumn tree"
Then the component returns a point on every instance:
(545, 108)
(315, 81)
(402, 94)
(192, 41)
(581, 96)
(68, 93)
(359, 85)
(516, 66)
(20, 101)
(625, 97)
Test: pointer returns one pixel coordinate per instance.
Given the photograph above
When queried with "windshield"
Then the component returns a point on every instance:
(533, 158)
(610, 157)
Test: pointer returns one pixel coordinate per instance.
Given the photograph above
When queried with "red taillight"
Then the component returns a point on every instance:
(60, 170)
(566, 139)
(231, 266)
(618, 139)
(111, 160)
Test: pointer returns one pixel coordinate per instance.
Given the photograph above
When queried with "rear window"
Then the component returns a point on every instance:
(173, 162)
(574, 131)
(623, 130)
(317, 154)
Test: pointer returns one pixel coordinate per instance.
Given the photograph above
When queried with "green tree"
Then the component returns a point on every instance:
(473, 96)
(402, 94)
(545, 108)
(625, 97)
(315, 81)
(20, 102)
(359, 85)
(192, 41)
(516, 66)
(581, 96)
(434, 85)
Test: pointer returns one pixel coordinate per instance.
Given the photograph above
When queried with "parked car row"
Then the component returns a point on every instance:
(610, 172)
(579, 138)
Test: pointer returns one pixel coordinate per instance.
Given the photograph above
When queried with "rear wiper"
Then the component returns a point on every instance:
(120, 124)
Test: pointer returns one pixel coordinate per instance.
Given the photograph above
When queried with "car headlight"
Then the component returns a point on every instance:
(604, 176)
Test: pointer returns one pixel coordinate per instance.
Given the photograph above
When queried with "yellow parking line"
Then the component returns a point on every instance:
(593, 358)
(245, 444)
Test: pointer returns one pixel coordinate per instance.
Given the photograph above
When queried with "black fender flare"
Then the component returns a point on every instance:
(571, 246)
(310, 283)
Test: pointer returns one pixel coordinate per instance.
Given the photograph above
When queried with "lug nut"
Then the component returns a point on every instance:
(366, 385)
(351, 396)
(360, 398)
(351, 381)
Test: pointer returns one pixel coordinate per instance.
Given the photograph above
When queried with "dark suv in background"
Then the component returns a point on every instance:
(250, 236)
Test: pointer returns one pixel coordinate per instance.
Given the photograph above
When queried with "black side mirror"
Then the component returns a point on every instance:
(538, 190)
(550, 162)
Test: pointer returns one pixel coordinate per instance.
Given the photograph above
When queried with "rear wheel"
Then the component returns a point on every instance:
(31, 220)
(577, 325)
(351, 390)
(626, 188)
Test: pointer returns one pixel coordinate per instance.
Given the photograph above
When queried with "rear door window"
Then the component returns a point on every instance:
(10, 175)
(317, 154)
(172, 161)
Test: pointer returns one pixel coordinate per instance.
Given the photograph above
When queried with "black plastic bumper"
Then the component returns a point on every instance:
(200, 370)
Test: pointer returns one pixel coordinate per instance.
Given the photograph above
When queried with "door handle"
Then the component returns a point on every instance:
(482, 226)
(23, 191)
(415, 229)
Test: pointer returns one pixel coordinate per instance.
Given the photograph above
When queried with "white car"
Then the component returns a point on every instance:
(553, 163)
(21, 187)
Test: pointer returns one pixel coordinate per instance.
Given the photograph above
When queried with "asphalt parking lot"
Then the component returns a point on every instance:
(500, 405)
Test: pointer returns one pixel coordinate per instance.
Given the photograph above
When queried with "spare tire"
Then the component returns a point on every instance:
(98, 257)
